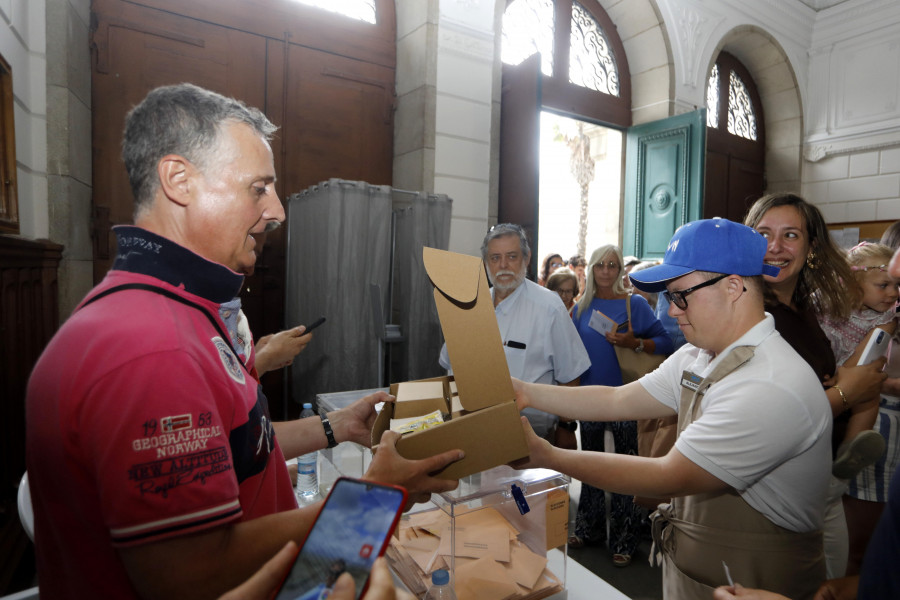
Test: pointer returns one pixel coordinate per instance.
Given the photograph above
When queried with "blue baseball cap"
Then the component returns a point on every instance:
(715, 245)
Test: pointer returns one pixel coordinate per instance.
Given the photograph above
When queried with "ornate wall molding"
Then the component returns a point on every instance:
(817, 150)
(854, 107)
(694, 29)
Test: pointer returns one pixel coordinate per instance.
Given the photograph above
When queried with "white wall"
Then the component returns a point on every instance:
(23, 45)
(852, 151)
(696, 30)
(463, 109)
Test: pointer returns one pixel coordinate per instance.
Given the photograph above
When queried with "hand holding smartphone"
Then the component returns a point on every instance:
(352, 529)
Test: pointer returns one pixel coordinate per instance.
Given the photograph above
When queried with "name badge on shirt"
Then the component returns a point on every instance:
(690, 380)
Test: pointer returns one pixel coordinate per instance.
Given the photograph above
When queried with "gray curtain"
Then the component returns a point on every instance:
(421, 220)
(343, 237)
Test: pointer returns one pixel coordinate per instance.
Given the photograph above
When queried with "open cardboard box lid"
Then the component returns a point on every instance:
(466, 311)
(490, 433)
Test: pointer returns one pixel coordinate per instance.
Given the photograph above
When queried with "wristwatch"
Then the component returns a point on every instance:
(568, 425)
(329, 432)
(640, 346)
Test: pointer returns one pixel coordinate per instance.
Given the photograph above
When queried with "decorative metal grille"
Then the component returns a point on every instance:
(528, 27)
(361, 10)
(741, 118)
(712, 99)
(591, 61)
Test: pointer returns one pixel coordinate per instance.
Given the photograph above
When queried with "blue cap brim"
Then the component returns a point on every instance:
(654, 279)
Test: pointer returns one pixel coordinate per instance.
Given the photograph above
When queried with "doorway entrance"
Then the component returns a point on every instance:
(580, 186)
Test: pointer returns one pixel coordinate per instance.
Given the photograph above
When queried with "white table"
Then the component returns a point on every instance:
(581, 584)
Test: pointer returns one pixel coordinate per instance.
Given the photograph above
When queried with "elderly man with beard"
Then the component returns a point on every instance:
(539, 338)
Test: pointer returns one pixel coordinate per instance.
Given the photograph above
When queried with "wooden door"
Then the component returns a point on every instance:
(326, 80)
(732, 185)
(338, 118)
(735, 165)
(520, 143)
(135, 50)
(663, 181)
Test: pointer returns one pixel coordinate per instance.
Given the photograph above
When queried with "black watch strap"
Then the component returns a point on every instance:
(329, 432)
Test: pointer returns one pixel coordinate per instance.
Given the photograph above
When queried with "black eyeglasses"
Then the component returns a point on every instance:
(679, 298)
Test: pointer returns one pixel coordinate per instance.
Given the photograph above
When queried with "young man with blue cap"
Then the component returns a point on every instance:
(749, 472)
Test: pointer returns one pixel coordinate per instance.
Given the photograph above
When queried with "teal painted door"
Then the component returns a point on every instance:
(663, 181)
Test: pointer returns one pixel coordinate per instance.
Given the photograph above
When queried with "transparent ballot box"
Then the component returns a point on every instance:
(347, 459)
(502, 534)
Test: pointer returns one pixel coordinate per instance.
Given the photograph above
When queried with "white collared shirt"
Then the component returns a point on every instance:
(765, 429)
(536, 317)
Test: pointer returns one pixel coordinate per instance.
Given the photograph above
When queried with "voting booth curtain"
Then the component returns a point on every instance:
(348, 241)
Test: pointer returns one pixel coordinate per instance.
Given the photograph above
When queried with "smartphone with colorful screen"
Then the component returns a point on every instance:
(352, 529)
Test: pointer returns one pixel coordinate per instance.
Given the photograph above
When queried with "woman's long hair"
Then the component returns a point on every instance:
(824, 288)
(590, 287)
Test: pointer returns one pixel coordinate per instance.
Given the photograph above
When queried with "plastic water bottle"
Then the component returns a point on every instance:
(307, 488)
(440, 586)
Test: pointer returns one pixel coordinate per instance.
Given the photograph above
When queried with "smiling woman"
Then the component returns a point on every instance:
(811, 286)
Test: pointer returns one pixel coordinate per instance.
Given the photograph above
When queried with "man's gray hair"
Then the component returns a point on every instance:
(181, 119)
(501, 230)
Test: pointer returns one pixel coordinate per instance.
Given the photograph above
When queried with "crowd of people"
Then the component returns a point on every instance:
(175, 476)
(823, 302)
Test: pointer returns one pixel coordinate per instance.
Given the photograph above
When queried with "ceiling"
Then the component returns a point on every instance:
(822, 4)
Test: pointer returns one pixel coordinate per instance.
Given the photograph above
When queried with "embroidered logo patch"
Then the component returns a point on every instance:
(176, 423)
(229, 360)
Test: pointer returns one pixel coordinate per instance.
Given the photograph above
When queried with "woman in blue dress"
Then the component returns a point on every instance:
(600, 317)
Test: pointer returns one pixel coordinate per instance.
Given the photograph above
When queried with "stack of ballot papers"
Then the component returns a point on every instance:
(490, 561)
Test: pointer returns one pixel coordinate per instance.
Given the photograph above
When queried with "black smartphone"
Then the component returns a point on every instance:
(352, 529)
(314, 324)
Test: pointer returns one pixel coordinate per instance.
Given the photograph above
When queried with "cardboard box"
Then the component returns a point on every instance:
(488, 430)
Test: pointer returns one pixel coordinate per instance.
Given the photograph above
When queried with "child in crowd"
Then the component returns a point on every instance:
(867, 493)
(869, 263)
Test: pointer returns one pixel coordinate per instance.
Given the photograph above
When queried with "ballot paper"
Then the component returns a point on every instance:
(484, 579)
(525, 566)
(477, 542)
(601, 323)
(489, 558)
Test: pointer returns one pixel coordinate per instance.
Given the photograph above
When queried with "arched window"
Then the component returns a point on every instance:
(736, 105)
(528, 29)
(591, 61)
(561, 122)
(735, 140)
(582, 58)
